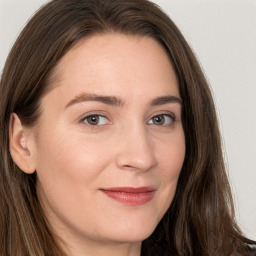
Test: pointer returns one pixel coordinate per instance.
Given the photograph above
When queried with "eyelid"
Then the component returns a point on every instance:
(163, 112)
(93, 113)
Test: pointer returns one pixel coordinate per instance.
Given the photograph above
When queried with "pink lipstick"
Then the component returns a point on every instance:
(130, 195)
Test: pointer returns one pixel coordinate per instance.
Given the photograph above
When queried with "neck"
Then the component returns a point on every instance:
(92, 248)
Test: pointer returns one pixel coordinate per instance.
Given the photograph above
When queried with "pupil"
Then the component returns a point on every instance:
(93, 120)
(159, 120)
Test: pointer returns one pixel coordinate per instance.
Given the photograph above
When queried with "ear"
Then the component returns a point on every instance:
(19, 137)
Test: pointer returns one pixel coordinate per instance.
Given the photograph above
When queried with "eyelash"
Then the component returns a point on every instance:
(171, 116)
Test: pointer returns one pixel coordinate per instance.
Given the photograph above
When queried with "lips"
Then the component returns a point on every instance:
(130, 195)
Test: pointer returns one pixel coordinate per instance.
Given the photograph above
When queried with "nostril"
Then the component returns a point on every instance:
(128, 166)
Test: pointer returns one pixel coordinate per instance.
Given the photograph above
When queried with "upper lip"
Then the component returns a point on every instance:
(131, 189)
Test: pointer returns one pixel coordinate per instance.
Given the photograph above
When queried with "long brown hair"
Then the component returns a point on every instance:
(200, 220)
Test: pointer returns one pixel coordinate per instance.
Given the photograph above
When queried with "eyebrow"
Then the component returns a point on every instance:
(117, 102)
(108, 100)
(165, 100)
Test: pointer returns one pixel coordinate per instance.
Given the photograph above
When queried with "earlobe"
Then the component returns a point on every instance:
(19, 149)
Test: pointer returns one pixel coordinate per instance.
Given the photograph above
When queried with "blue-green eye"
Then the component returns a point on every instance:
(162, 119)
(95, 120)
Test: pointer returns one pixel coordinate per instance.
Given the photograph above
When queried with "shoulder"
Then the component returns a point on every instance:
(252, 250)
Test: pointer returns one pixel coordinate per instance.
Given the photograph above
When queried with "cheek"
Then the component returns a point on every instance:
(68, 154)
(171, 160)
(172, 154)
(67, 166)
(68, 172)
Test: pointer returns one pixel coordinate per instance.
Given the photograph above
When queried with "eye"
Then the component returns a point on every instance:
(95, 120)
(162, 119)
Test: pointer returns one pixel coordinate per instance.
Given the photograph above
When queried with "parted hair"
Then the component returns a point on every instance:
(200, 220)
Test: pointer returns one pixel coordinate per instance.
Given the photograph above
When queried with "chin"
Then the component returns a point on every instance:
(130, 233)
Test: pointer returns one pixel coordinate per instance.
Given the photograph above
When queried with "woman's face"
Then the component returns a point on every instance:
(109, 145)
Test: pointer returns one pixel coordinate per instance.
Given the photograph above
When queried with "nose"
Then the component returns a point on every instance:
(135, 150)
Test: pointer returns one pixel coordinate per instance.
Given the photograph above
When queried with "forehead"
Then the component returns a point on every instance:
(115, 64)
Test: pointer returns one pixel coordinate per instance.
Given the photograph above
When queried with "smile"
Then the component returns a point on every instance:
(131, 196)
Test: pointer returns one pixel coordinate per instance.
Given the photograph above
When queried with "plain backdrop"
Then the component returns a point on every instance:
(222, 33)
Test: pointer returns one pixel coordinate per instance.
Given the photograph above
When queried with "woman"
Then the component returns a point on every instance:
(109, 138)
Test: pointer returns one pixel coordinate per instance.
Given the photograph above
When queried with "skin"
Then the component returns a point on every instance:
(126, 148)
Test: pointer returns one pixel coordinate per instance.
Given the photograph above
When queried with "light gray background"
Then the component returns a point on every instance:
(223, 35)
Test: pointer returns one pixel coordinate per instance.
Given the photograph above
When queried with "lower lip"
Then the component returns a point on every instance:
(129, 198)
